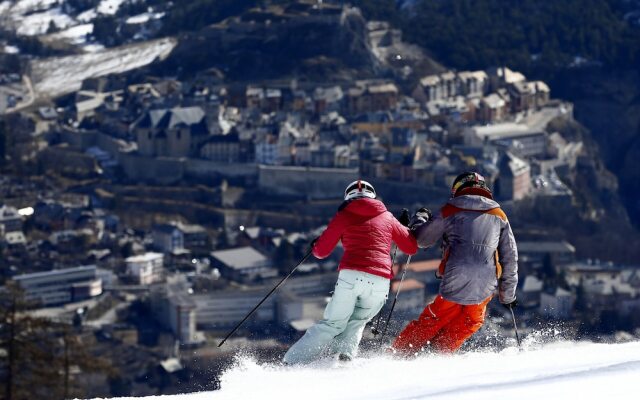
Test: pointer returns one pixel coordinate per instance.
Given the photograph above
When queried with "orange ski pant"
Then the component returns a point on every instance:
(443, 325)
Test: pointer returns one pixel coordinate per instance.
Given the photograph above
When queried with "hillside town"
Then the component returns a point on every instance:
(151, 213)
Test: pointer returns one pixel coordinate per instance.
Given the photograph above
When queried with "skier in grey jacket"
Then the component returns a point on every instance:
(479, 256)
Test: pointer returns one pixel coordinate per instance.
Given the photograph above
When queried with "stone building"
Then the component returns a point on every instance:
(175, 132)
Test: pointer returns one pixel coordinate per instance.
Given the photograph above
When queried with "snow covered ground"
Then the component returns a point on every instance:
(75, 35)
(60, 75)
(38, 23)
(32, 17)
(109, 7)
(561, 370)
(143, 18)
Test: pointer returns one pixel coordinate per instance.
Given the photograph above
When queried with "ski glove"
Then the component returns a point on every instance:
(420, 217)
(424, 213)
(404, 217)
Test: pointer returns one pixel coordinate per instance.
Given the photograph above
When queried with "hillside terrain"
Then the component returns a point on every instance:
(588, 50)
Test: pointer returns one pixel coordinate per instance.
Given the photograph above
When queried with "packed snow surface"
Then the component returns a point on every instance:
(553, 371)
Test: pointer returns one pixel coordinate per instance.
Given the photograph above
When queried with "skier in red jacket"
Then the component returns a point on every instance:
(367, 231)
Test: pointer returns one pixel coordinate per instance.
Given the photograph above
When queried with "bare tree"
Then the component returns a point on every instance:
(31, 361)
(74, 357)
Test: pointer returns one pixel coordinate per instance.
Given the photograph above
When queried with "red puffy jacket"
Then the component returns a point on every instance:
(367, 230)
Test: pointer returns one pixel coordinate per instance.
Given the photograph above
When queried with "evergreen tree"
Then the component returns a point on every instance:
(385, 10)
(195, 14)
(53, 28)
(476, 34)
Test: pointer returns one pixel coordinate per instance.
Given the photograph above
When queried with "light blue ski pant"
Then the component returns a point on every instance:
(357, 298)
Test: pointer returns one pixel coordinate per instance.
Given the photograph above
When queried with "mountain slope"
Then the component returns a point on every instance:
(557, 370)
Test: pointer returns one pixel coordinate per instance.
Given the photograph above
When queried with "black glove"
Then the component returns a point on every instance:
(313, 242)
(511, 305)
(424, 213)
(404, 217)
(420, 217)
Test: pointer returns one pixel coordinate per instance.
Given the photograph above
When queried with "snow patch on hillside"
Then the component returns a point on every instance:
(553, 371)
(26, 6)
(144, 18)
(87, 16)
(38, 23)
(60, 75)
(109, 7)
(33, 17)
(75, 35)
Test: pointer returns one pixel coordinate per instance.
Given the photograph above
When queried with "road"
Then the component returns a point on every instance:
(110, 317)
(29, 98)
(539, 119)
(22, 90)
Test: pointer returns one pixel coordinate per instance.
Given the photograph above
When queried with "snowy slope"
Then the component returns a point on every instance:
(32, 17)
(554, 371)
(60, 75)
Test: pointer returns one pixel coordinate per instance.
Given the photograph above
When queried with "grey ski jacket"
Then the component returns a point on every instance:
(471, 235)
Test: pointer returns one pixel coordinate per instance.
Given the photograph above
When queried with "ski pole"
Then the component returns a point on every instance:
(515, 327)
(404, 220)
(375, 329)
(395, 300)
(265, 298)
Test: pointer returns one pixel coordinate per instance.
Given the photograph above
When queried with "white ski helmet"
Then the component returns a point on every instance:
(358, 189)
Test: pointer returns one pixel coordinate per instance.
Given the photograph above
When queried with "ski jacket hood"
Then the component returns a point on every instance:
(365, 207)
(367, 231)
(474, 202)
(479, 250)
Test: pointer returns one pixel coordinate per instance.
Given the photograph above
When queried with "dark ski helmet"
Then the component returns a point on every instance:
(358, 189)
(470, 183)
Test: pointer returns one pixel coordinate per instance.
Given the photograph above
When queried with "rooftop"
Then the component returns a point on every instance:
(384, 88)
(84, 268)
(241, 257)
(494, 101)
(479, 75)
(546, 247)
(504, 131)
(429, 80)
(171, 118)
(532, 284)
(146, 257)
